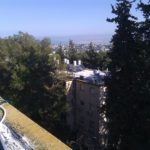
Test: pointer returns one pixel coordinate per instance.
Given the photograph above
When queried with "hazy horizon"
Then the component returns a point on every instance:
(82, 39)
(70, 19)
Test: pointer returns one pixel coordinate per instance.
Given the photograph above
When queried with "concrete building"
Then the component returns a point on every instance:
(86, 94)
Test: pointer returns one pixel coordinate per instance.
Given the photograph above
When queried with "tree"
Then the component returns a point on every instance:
(125, 102)
(103, 60)
(90, 58)
(144, 26)
(60, 52)
(46, 45)
(29, 79)
(94, 60)
(72, 52)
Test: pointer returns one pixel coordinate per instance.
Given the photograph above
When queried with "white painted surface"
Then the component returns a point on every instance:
(74, 62)
(79, 62)
(9, 139)
(88, 73)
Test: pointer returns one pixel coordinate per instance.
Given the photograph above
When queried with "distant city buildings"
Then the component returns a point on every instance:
(83, 47)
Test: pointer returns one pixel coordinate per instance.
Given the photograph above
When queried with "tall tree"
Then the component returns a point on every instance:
(103, 60)
(90, 58)
(145, 25)
(46, 45)
(144, 79)
(94, 60)
(29, 79)
(72, 52)
(125, 102)
(60, 52)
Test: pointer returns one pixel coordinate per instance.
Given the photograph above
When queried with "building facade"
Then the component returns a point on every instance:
(85, 99)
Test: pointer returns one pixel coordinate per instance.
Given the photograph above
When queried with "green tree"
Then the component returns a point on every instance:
(94, 60)
(72, 52)
(126, 108)
(46, 45)
(90, 58)
(103, 60)
(60, 52)
(29, 79)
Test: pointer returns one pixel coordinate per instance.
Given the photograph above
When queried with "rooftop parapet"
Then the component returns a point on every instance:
(27, 131)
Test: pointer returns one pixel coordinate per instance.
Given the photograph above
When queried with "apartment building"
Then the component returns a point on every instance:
(85, 94)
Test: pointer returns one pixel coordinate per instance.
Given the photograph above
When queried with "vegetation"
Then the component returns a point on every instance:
(127, 105)
(95, 60)
(90, 58)
(72, 52)
(61, 53)
(28, 79)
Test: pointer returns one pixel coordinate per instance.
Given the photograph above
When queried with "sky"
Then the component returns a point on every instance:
(56, 17)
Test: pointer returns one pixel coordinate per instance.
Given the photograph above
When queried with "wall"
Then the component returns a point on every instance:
(39, 137)
(85, 100)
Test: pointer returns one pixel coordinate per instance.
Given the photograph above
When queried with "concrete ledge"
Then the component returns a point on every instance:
(39, 137)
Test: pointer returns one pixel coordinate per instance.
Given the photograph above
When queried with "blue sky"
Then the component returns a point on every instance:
(55, 17)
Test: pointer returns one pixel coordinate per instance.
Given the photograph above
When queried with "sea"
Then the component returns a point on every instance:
(82, 39)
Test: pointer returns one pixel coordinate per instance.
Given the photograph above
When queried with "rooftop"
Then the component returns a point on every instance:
(88, 75)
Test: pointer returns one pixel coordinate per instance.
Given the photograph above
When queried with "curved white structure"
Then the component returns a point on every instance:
(8, 139)
(4, 115)
(1, 121)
